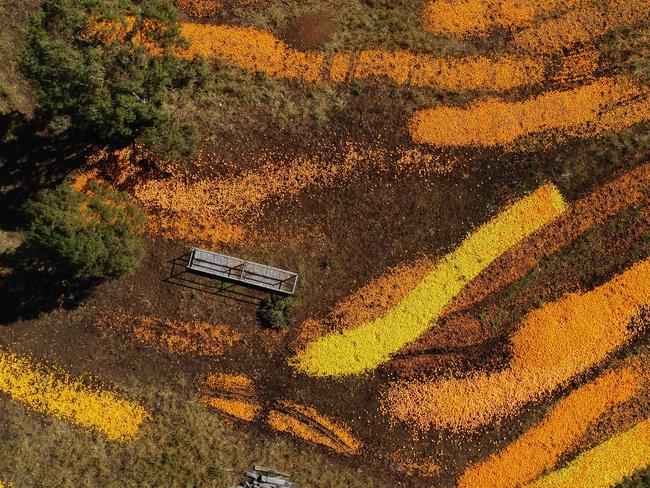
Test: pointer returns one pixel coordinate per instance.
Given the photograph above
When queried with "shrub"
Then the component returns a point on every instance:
(273, 312)
(113, 89)
(91, 235)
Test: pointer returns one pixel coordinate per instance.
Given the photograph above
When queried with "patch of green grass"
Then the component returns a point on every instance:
(628, 52)
(578, 165)
(357, 24)
(9, 241)
(236, 101)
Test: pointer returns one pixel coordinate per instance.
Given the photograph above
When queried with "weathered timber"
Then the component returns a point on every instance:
(261, 477)
(239, 271)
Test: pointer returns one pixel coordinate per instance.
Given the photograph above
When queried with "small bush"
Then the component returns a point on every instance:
(93, 235)
(273, 312)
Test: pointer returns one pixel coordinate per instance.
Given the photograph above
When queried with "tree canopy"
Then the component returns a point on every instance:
(83, 235)
(119, 90)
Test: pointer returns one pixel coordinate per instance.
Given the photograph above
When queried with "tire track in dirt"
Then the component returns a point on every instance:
(307, 423)
(314, 425)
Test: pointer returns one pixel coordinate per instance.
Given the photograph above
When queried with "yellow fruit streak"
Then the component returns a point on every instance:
(69, 400)
(606, 464)
(540, 448)
(369, 345)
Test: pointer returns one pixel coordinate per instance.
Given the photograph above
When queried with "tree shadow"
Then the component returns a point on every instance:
(30, 160)
(27, 295)
(180, 277)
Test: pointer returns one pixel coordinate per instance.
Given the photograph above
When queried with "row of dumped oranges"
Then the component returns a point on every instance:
(254, 50)
(236, 397)
(562, 23)
(223, 211)
(194, 337)
(606, 105)
(257, 51)
(553, 346)
(609, 104)
(51, 391)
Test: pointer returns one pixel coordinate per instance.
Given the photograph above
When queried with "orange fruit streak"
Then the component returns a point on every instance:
(581, 26)
(228, 382)
(201, 338)
(255, 50)
(252, 50)
(285, 423)
(477, 17)
(237, 408)
(540, 448)
(476, 73)
(598, 320)
(604, 105)
(554, 344)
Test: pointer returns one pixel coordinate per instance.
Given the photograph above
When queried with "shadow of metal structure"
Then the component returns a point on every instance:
(180, 276)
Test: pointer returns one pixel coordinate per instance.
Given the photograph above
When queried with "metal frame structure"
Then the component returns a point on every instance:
(239, 271)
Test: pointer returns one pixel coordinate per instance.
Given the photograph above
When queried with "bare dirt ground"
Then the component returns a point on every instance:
(362, 226)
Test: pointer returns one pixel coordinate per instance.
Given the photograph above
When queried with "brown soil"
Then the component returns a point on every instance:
(310, 30)
(363, 227)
